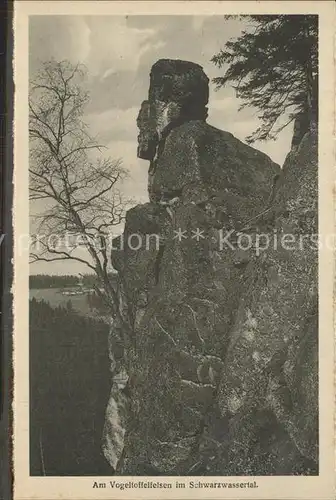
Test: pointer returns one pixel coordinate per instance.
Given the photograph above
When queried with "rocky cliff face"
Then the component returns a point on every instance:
(215, 350)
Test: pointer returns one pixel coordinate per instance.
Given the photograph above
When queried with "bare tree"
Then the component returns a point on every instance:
(68, 171)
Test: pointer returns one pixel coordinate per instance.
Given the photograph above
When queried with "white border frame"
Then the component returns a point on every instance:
(45, 488)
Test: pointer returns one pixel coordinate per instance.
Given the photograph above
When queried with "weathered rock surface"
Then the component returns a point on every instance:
(202, 164)
(221, 351)
(180, 82)
(271, 362)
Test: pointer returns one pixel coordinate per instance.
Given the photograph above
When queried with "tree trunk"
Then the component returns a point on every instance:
(312, 96)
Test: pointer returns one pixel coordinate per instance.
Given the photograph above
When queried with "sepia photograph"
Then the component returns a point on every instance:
(178, 201)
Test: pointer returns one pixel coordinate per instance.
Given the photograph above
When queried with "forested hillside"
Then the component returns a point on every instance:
(69, 388)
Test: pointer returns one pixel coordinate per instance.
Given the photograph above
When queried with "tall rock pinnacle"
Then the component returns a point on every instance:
(196, 304)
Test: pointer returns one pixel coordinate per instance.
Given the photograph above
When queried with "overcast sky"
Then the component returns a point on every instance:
(119, 52)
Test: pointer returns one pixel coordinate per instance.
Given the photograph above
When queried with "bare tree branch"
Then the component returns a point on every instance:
(69, 173)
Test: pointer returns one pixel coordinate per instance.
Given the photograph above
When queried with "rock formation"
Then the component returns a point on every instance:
(215, 349)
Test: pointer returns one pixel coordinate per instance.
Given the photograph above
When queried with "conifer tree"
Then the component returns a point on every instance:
(273, 67)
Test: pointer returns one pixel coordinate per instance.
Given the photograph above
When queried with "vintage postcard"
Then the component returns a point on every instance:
(174, 239)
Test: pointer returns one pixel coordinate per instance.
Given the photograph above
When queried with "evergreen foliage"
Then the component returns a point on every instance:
(273, 67)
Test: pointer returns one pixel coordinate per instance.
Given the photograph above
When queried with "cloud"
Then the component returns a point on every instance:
(198, 22)
(106, 45)
(119, 52)
(120, 89)
(115, 45)
(103, 43)
(58, 37)
(114, 125)
(136, 185)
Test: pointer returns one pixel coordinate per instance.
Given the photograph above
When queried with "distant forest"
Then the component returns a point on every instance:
(41, 281)
(69, 390)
